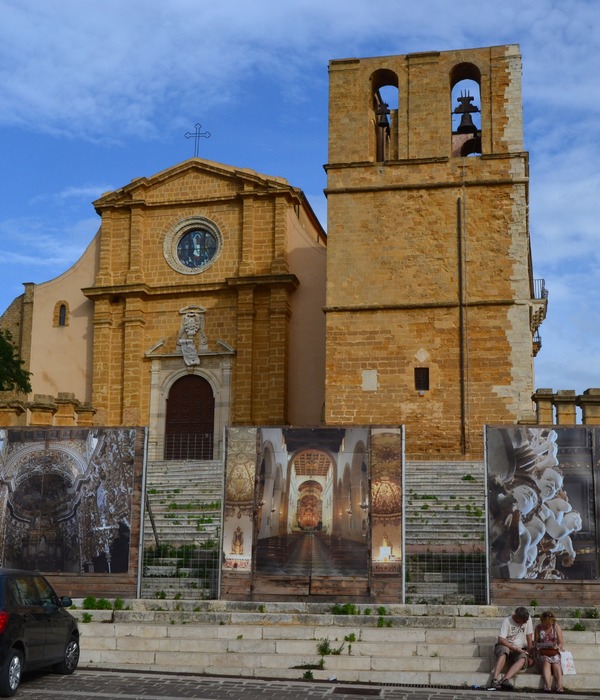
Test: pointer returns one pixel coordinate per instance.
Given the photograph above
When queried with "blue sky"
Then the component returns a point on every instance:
(94, 94)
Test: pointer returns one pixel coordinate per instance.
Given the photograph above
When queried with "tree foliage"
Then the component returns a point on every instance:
(12, 374)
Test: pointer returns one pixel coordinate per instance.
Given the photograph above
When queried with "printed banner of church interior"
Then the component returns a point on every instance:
(544, 502)
(66, 498)
(304, 508)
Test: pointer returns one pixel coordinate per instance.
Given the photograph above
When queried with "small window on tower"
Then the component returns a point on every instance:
(422, 378)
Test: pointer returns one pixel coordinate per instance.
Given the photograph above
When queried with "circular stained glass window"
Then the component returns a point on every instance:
(192, 245)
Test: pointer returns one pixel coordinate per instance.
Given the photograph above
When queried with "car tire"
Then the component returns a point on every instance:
(10, 673)
(70, 658)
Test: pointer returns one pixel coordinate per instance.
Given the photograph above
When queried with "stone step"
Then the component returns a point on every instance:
(161, 589)
(429, 646)
(431, 589)
(440, 535)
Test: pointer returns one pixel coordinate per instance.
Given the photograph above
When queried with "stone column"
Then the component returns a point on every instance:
(543, 399)
(66, 404)
(590, 406)
(42, 408)
(565, 401)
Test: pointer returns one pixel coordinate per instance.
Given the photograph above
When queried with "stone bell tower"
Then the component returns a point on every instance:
(432, 311)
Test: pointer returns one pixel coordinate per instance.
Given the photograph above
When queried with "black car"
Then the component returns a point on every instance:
(35, 629)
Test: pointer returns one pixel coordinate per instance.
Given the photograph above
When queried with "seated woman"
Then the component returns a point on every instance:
(548, 642)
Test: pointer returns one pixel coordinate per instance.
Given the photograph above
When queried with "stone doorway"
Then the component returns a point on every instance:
(189, 421)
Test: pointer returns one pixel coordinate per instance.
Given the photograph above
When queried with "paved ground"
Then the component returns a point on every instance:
(106, 685)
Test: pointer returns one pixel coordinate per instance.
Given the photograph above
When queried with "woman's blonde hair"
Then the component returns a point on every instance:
(547, 616)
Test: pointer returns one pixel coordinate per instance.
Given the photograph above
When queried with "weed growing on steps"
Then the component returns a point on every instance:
(324, 648)
(345, 609)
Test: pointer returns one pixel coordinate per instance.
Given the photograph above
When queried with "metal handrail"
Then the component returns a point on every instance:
(539, 289)
(183, 447)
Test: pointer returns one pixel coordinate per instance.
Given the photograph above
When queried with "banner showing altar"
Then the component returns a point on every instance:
(305, 512)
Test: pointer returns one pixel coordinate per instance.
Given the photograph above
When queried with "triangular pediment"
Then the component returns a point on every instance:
(193, 179)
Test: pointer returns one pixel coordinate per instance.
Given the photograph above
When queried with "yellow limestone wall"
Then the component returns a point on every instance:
(248, 292)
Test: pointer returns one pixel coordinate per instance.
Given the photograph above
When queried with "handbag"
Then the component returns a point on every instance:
(567, 664)
(548, 652)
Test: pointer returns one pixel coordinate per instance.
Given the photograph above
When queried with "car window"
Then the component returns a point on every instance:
(25, 591)
(46, 593)
(10, 597)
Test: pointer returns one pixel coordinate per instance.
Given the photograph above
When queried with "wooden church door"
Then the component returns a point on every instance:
(189, 424)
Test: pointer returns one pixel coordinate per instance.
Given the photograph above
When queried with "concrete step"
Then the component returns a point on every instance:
(424, 645)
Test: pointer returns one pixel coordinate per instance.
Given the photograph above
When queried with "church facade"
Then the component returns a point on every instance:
(212, 303)
(185, 312)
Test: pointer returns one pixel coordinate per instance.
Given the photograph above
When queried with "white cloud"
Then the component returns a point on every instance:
(39, 245)
(79, 194)
(114, 70)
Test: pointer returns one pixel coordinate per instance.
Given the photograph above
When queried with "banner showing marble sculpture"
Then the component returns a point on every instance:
(66, 498)
(541, 502)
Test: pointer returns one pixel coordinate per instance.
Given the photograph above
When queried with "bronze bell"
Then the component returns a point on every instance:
(465, 109)
(382, 113)
(466, 125)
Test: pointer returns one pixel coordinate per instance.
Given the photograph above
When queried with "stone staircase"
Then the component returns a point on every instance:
(182, 529)
(441, 646)
(445, 532)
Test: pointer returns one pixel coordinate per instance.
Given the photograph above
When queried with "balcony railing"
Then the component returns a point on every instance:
(539, 289)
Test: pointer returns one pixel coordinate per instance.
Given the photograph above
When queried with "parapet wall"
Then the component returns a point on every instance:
(566, 407)
(562, 407)
(45, 410)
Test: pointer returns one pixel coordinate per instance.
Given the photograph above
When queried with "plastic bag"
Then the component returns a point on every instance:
(567, 664)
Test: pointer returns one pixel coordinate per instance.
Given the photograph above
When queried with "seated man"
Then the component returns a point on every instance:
(515, 644)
